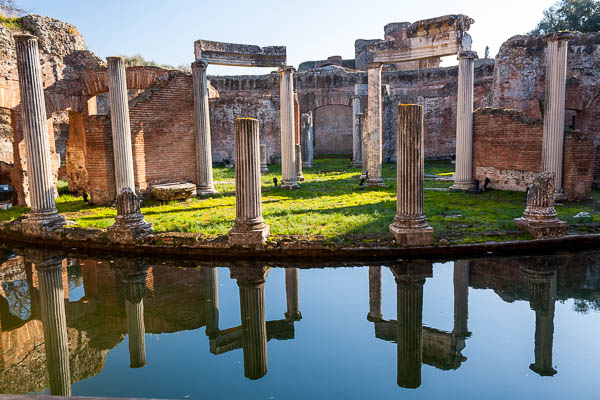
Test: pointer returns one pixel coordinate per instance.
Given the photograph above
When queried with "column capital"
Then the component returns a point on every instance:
(249, 276)
(286, 68)
(374, 65)
(467, 54)
(115, 59)
(199, 65)
(23, 37)
(557, 36)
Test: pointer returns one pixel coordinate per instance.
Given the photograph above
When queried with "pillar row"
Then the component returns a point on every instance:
(288, 150)
(204, 174)
(463, 177)
(375, 126)
(249, 228)
(35, 129)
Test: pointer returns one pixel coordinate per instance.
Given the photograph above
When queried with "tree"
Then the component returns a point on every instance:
(9, 9)
(570, 15)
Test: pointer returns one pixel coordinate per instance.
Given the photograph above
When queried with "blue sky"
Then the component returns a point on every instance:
(165, 30)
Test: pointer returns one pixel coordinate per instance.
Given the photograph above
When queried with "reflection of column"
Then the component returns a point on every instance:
(204, 176)
(461, 298)
(554, 106)
(251, 282)
(121, 129)
(291, 293)
(288, 150)
(211, 280)
(135, 287)
(43, 212)
(249, 228)
(463, 177)
(374, 127)
(55, 325)
(374, 294)
(410, 330)
(356, 134)
(542, 294)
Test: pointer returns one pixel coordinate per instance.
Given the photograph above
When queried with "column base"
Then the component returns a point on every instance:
(307, 165)
(375, 182)
(408, 237)
(466, 186)
(297, 316)
(245, 237)
(560, 196)
(357, 164)
(264, 170)
(289, 185)
(206, 190)
(374, 317)
(38, 223)
(129, 233)
(300, 177)
(542, 229)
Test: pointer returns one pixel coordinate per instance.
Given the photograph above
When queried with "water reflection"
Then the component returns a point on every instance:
(50, 339)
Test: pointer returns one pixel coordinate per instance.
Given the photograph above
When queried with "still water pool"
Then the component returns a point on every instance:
(481, 328)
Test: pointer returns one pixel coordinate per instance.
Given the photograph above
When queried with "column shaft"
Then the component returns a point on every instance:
(307, 140)
(374, 127)
(211, 280)
(249, 228)
(410, 331)
(264, 169)
(356, 134)
(365, 143)
(254, 330)
(121, 129)
(463, 177)
(554, 107)
(204, 184)
(35, 130)
(299, 173)
(288, 151)
(291, 294)
(374, 294)
(136, 331)
(55, 327)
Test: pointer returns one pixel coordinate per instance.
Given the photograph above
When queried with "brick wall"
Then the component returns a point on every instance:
(507, 149)
(76, 155)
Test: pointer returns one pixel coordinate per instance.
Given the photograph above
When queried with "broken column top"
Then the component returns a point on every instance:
(445, 23)
(241, 55)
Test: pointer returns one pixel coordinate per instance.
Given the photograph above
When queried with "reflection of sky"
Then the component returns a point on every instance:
(335, 353)
(17, 295)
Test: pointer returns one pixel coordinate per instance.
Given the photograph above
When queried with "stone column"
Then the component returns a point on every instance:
(554, 106)
(135, 288)
(307, 140)
(374, 127)
(211, 280)
(54, 320)
(542, 294)
(374, 294)
(463, 176)
(205, 184)
(461, 298)
(249, 228)
(288, 150)
(364, 122)
(264, 169)
(410, 227)
(121, 129)
(251, 282)
(299, 173)
(43, 214)
(129, 223)
(356, 133)
(291, 293)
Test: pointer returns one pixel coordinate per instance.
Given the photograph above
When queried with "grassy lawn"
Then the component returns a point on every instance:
(331, 204)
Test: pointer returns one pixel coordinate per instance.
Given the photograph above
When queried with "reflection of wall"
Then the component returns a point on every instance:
(333, 130)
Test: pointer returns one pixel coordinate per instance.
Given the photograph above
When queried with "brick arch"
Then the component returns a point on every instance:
(142, 78)
(310, 102)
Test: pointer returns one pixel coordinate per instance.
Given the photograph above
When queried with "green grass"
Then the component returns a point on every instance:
(330, 204)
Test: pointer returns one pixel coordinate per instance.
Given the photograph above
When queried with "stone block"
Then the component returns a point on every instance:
(542, 230)
(409, 237)
(242, 55)
(173, 191)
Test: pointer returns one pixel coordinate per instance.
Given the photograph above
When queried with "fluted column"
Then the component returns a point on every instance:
(364, 123)
(121, 128)
(249, 228)
(251, 282)
(299, 173)
(461, 298)
(288, 150)
(43, 212)
(291, 293)
(211, 280)
(307, 140)
(542, 293)
(205, 185)
(55, 325)
(264, 169)
(410, 227)
(374, 294)
(374, 127)
(135, 288)
(463, 176)
(410, 330)
(554, 106)
(356, 133)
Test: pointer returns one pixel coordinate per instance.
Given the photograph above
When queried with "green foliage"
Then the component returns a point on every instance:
(13, 23)
(138, 60)
(570, 15)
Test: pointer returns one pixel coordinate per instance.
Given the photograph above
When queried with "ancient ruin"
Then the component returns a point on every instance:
(129, 223)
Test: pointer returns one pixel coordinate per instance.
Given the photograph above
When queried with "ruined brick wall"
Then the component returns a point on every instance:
(75, 158)
(507, 149)
(100, 159)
